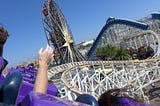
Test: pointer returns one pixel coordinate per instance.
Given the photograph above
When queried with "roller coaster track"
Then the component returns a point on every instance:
(95, 77)
(110, 22)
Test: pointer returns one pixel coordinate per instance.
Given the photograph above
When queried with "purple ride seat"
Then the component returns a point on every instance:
(27, 87)
(32, 71)
(24, 90)
(28, 75)
(30, 80)
(1, 78)
(38, 99)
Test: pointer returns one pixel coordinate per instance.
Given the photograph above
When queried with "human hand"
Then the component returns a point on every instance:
(45, 56)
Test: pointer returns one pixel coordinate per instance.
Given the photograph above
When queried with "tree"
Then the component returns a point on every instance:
(121, 54)
(110, 52)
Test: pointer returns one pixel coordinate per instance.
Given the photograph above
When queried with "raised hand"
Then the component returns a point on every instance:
(44, 57)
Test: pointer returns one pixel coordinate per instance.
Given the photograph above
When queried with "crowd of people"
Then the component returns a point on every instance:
(11, 84)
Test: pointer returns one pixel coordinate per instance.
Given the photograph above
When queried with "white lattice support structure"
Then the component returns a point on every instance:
(87, 76)
(96, 77)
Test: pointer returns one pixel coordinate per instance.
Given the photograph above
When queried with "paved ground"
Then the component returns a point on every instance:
(154, 92)
(155, 102)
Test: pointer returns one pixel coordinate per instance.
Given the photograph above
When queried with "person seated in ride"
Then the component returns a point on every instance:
(3, 38)
(115, 97)
(40, 86)
(10, 84)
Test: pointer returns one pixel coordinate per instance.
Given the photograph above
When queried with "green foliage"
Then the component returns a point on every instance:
(121, 54)
(110, 52)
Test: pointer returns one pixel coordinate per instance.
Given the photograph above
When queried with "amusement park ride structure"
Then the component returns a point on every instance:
(58, 34)
(76, 75)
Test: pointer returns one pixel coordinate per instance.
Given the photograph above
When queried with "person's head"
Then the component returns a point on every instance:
(112, 98)
(3, 38)
(31, 64)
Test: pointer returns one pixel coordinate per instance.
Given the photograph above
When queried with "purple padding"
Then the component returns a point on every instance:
(19, 99)
(30, 72)
(1, 78)
(15, 70)
(37, 99)
(130, 102)
(27, 75)
(30, 80)
(28, 87)
(33, 71)
(24, 91)
(52, 90)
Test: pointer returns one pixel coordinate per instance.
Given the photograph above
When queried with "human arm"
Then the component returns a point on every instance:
(44, 57)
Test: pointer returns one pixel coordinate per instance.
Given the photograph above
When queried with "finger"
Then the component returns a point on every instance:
(47, 48)
(40, 51)
(50, 50)
(52, 55)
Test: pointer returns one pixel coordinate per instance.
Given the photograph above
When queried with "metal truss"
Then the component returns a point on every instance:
(96, 77)
(58, 34)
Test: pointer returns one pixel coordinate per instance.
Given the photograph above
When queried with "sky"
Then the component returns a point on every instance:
(23, 20)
